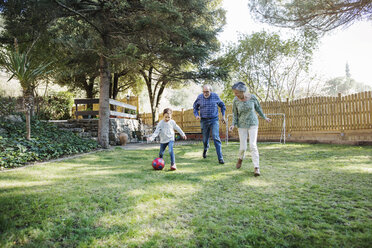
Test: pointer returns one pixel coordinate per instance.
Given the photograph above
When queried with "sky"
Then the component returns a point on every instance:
(352, 45)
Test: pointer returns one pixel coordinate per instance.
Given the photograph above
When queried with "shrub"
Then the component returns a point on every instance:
(47, 142)
(56, 106)
(8, 106)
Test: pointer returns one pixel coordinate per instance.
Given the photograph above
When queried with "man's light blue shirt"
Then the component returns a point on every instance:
(208, 107)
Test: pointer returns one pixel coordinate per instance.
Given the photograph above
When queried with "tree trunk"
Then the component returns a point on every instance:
(115, 85)
(89, 90)
(27, 104)
(104, 110)
(153, 115)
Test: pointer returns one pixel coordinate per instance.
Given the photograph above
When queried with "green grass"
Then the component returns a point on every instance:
(307, 196)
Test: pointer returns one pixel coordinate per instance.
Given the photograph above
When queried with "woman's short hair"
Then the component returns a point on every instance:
(167, 111)
(240, 86)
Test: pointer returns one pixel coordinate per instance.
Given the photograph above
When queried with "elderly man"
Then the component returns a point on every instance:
(206, 110)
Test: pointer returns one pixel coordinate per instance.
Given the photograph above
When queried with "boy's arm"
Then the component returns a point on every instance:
(178, 129)
(156, 133)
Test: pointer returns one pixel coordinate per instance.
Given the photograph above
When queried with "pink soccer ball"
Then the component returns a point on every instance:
(158, 163)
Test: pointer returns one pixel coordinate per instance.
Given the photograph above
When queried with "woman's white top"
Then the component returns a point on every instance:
(165, 130)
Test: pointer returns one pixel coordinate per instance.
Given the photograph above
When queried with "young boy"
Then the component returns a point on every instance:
(165, 130)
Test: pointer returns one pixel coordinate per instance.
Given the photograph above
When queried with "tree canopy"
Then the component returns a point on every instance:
(270, 65)
(320, 15)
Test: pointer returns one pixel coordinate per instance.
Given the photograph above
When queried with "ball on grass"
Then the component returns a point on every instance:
(158, 163)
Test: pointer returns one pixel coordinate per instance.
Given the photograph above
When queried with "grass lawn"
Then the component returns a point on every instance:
(307, 196)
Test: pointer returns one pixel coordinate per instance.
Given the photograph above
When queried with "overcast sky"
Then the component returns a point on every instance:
(352, 45)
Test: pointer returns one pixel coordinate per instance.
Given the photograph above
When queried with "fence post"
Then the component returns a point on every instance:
(369, 100)
(288, 113)
(340, 114)
(76, 109)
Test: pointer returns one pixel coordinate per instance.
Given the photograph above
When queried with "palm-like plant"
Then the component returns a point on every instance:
(20, 67)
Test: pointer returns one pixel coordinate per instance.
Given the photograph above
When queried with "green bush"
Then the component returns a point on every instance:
(8, 106)
(47, 142)
(56, 106)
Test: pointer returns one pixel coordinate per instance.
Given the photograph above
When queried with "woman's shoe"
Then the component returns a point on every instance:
(173, 167)
(239, 163)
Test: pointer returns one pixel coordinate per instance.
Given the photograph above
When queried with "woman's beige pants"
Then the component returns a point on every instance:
(244, 133)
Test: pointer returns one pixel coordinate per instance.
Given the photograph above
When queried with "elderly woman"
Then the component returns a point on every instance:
(246, 120)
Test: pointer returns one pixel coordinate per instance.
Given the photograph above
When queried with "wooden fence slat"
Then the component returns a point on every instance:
(365, 110)
(353, 106)
(342, 112)
(355, 112)
(339, 114)
(369, 109)
(347, 112)
(333, 113)
(360, 110)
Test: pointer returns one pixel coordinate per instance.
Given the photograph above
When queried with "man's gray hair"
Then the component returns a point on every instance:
(207, 86)
(240, 86)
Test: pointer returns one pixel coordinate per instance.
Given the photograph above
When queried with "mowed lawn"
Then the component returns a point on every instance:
(307, 196)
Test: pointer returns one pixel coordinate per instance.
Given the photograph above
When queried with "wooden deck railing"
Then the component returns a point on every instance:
(113, 113)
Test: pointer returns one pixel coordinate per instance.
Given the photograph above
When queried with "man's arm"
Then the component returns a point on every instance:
(196, 108)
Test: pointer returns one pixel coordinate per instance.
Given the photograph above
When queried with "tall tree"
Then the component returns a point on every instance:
(78, 66)
(187, 39)
(114, 23)
(171, 34)
(320, 15)
(269, 65)
(79, 62)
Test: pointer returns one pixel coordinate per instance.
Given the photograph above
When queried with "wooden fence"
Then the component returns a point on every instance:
(341, 119)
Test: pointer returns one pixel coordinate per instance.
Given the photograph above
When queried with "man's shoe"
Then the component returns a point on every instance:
(173, 167)
(257, 172)
(221, 161)
(205, 153)
(239, 163)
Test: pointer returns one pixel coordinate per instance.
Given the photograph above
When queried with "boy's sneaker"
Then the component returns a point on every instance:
(257, 172)
(173, 167)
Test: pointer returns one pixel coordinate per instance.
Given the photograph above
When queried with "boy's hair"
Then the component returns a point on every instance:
(167, 111)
